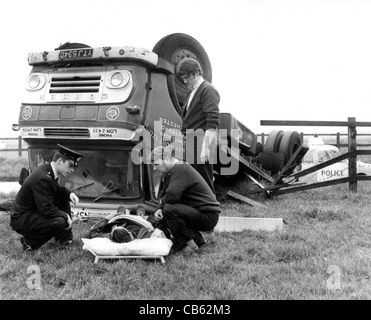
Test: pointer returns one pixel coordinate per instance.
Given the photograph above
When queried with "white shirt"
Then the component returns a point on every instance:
(54, 171)
(194, 89)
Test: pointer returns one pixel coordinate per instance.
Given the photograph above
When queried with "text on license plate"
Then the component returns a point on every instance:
(75, 54)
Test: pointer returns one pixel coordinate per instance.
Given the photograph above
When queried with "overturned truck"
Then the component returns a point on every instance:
(109, 102)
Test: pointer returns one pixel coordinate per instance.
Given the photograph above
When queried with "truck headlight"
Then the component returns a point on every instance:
(35, 81)
(118, 79)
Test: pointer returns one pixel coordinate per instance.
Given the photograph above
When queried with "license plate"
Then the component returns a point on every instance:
(75, 54)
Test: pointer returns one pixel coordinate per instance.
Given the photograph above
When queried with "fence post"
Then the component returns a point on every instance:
(338, 139)
(352, 145)
(262, 139)
(20, 146)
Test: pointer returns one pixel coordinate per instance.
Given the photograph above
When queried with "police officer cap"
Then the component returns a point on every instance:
(70, 154)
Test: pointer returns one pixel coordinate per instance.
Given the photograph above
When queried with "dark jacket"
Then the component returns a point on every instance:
(37, 195)
(183, 184)
(103, 228)
(203, 112)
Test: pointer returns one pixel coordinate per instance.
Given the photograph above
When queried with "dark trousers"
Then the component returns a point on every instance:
(183, 221)
(38, 229)
(192, 156)
(206, 171)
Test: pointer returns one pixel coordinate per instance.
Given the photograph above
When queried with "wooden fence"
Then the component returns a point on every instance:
(16, 145)
(337, 139)
(351, 125)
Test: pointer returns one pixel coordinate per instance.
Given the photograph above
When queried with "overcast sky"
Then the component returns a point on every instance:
(271, 60)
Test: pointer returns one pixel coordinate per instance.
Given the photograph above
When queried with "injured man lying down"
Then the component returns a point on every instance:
(127, 234)
(120, 227)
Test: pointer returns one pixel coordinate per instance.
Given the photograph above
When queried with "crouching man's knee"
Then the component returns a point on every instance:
(58, 223)
(170, 210)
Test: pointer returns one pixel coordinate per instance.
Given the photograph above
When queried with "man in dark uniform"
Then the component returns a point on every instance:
(188, 205)
(41, 209)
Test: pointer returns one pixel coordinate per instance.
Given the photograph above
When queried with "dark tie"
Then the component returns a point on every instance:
(186, 103)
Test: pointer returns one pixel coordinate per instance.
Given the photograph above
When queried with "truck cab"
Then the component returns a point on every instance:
(99, 101)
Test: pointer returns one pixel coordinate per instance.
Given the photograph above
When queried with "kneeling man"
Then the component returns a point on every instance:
(188, 205)
(41, 209)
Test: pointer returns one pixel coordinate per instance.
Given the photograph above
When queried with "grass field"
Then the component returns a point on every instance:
(322, 253)
(10, 168)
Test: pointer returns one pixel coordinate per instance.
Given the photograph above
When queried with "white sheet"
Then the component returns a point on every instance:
(157, 245)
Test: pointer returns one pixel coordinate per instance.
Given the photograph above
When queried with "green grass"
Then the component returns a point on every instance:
(327, 228)
(11, 168)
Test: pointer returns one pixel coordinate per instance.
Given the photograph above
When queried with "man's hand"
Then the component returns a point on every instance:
(69, 223)
(209, 137)
(158, 215)
(205, 153)
(74, 198)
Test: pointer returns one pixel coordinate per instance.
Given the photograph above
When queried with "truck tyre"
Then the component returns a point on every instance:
(175, 47)
(273, 141)
(72, 45)
(290, 142)
(272, 161)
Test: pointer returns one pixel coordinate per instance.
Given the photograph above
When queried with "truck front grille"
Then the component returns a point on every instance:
(75, 84)
(67, 132)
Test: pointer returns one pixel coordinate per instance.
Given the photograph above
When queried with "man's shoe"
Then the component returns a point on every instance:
(209, 236)
(199, 239)
(25, 245)
(190, 248)
(65, 243)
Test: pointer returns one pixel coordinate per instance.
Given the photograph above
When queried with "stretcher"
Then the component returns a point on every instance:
(149, 248)
(98, 257)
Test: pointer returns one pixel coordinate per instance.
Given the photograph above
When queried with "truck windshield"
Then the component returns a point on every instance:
(107, 174)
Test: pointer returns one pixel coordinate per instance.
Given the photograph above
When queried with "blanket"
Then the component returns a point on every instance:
(156, 245)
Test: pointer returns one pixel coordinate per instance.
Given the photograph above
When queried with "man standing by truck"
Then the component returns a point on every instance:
(41, 209)
(200, 119)
(188, 207)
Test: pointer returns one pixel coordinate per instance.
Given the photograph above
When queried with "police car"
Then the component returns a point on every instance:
(319, 152)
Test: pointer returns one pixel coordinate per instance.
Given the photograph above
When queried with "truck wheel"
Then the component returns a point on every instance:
(273, 141)
(175, 47)
(73, 45)
(290, 142)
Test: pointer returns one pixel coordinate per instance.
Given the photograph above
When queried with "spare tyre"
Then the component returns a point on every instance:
(175, 47)
(290, 142)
